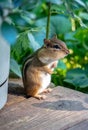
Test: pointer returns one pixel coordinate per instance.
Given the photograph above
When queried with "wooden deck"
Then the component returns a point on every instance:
(64, 109)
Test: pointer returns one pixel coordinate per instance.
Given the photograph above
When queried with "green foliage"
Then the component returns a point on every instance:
(15, 67)
(59, 73)
(23, 25)
(77, 77)
(9, 32)
(25, 45)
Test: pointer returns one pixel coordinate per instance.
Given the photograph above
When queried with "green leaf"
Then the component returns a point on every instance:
(9, 32)
(69, 81)
(40, 36)
(80, 2)
(27, 16)
(15, 67)
(56, 9)
(75, 73)
(81, 34)
(19, 50)
(17, 19)
(32, 43)
(61, 65)
(86, 69)
(77, 77)
(79, 81)
(6, 4)
(80, 21)
(55, 1)
(59, 24)
(82, 81)
(70, 36)
(83, 15)
(29, 4)
(24, 46)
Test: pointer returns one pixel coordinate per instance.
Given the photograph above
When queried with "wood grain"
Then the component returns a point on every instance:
(63, 109)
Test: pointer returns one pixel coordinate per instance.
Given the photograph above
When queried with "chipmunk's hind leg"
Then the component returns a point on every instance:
(34, 92)
(47, 90)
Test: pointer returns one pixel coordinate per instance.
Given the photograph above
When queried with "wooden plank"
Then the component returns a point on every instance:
(80, 126)
(63, 109)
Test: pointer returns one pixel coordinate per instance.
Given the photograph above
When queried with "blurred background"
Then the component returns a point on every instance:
(23, 26)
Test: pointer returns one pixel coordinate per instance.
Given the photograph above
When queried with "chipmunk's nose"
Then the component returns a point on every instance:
(67, 51)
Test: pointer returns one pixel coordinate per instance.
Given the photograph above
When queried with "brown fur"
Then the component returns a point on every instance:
(38, 63)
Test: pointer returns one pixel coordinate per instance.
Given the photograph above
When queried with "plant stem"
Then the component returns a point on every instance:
(48, 21)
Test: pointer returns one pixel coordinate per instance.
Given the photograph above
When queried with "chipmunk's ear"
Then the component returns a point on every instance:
(46, 41)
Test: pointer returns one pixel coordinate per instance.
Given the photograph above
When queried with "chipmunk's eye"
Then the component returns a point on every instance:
(56, 46)
(48, 45)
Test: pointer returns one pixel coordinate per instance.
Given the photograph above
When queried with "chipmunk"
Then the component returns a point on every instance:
(37, 69)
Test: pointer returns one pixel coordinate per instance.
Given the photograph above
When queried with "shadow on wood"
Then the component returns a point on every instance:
(67, 105)
(16, 89)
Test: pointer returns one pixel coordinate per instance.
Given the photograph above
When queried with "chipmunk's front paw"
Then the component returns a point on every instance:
(54, 65)
(51, 72)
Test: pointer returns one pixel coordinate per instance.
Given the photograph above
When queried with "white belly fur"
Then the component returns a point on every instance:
(45, 79)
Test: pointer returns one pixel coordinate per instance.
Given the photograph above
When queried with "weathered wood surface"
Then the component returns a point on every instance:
(64, 109)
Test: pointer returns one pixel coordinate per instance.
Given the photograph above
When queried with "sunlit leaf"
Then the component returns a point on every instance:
(81, 3)
(32, 43)
(27, 16)
(83, 15)
(21, 47)
(80, 21)
(40, 36)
